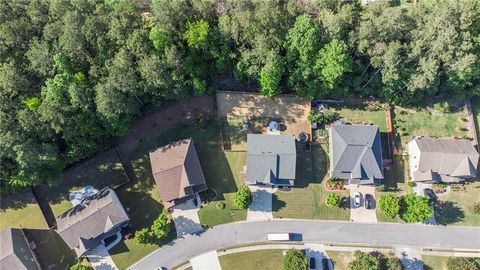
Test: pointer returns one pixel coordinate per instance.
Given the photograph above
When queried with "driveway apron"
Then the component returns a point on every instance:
(206, 261)
(185, 217)
(261, 206)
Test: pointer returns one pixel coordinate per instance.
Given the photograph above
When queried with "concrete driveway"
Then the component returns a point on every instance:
(362, 214)
(100, 259)
(410, 257)
(261, 207)
(206, 261)
(185, 217)
(318, 252)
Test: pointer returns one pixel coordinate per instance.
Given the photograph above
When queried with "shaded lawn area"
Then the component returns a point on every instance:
(456, 208)
(340, 259)
(100, 171)
(235, 137)
(52, 252)
(307, 199)
(434, 262)
(21, 210)
(476, 110)
(428, 122)
(270, 259)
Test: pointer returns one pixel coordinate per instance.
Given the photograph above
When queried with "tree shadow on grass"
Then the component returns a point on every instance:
(277, 203)
(447, 212)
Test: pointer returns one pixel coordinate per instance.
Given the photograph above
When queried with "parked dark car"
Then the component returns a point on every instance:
(311, 263)
(326, 264)
(369, 201)
(430, 194)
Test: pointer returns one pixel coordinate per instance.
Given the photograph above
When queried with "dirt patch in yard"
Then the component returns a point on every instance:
(238, 108)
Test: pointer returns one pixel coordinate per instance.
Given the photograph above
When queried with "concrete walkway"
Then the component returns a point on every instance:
(261, 206)
(314, 231)
(100, 259)
(206, 261)
(411, 258)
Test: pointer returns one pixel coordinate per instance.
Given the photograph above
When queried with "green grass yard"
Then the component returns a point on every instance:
(270, 259)
(434, 262)
(457, 206)
(428, 122)
(307, 198)
(359, 113)
(21, 210)
(340, 259)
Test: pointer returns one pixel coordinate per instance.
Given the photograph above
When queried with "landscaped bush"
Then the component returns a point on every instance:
(335, 184)
(161, 225)
(416, 208)
(364, 261)
(462, 263)
(80, 266)
(200, 122)
(323, 117)
(243, 198)
(476, 208)
(410, 184)
(333, 200)
(220, 205)
(294, 260)
(389, 205)
(142, 236)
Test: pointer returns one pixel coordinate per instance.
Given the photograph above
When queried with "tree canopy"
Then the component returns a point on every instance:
(74, 74)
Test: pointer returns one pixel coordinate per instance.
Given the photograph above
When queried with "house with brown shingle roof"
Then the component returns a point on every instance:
(86, 225)
(177, 172)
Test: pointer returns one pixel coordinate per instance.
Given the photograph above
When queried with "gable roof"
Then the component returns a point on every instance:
(15, 252)
(450, 157)
(270, 158)
(177, 170)
(94, 216)
(356, 153)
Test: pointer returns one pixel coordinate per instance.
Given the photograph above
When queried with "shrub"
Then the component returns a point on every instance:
(161, 225)
(364, 261)
(333, 200)
(142, 236)
(200, 122)
(314, 117)
(220, 205)
(294, 260)
(329, 116)
(79, 266)
(416, 208)
(321, 118)
(389, 205)
(476, 208)
(442, 107)
(462, 263)
(243, 197)
(440, 185)
(410, 184)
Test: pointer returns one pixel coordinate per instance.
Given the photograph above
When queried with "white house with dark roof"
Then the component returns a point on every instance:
(356, 154)
(441, 160)
(271, 160)
(86, 225)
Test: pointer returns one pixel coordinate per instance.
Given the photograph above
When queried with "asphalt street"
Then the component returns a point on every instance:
(232, 234)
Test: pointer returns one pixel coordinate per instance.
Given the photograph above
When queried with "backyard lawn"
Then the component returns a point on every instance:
(429, 122)
(21, 210)
(270, 259)
(340, 259)
(307, 198)
(456, 208)
(476, 110)
(361, 113)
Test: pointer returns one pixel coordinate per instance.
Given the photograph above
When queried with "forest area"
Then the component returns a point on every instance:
(74, 74)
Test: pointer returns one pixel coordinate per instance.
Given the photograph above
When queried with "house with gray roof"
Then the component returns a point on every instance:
(97, 217)
(177, 172)
(271, 160)
(356, 154)
(15, 252)
(442, 160)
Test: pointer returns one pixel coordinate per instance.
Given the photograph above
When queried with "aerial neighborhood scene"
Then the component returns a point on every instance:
(239, 134)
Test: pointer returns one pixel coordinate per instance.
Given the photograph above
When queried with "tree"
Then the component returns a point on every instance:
(462, 263)
(197, 33)
(243, 197)
(159, 38)
(142, 236)
(79, 266)
(295, 260)
(271, 75)
(333, 200)
(364, 261)
(389, 205)
(161, 226)
(416, 208)
(332, 62)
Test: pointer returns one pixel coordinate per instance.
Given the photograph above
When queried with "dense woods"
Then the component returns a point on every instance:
(73, 74)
